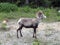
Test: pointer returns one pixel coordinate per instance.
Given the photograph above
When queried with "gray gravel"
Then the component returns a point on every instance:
(47, 34)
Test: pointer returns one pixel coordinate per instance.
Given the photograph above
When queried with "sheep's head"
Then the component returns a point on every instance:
(40, 15)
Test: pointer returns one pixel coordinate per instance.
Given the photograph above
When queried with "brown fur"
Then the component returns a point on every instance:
(30, 23)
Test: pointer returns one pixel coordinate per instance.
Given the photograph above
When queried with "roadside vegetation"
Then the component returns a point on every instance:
(12, 11)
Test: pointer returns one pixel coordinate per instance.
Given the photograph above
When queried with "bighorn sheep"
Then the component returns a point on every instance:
(30, 23)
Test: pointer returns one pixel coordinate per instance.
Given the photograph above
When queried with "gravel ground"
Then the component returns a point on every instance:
(47, 34)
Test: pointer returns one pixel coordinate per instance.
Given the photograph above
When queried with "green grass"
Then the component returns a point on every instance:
(15, 15)
(51, 13)
(36, 42)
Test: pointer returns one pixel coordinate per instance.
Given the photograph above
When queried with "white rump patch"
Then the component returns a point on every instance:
(19, 20)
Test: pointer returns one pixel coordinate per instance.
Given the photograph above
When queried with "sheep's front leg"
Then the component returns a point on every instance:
(34, 33)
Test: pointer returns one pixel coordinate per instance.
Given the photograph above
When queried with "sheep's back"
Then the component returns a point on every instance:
(27, 21)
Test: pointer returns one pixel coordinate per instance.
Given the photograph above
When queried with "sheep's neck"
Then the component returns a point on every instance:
(38, 20)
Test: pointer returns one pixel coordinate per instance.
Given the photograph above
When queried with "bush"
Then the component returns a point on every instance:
(28, 9)
(52, 14)
(7, 7)
(25, 9)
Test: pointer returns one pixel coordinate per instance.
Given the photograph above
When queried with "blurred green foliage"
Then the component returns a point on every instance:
(26, 11)
(8, 7)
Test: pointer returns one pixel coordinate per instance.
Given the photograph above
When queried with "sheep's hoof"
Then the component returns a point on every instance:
(34, 37)
(17, 37)
(21, 36)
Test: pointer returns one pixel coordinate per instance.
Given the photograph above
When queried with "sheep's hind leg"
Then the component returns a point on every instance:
(17, 32)
(20, 31)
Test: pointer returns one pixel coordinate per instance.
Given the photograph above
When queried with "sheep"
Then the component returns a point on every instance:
(30, 23)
